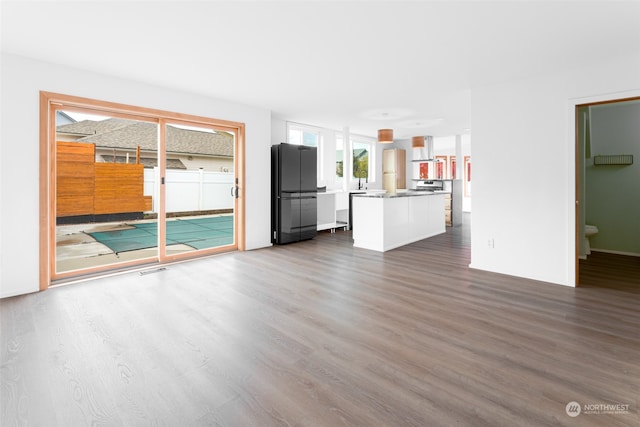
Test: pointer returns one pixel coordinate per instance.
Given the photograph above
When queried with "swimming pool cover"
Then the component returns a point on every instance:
(199, 233)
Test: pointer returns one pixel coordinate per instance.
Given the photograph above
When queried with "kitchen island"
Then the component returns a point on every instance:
(384, 221)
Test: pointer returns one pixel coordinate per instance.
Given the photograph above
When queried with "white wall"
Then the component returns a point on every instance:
(524, 168)
(21, 81)
(278, 131)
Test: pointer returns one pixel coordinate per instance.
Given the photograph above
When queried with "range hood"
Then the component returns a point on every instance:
(426, 152)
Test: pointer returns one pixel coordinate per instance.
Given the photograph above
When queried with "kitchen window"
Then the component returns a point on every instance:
(363, 159)
(339, 158)
(299, 136)
(353, 160)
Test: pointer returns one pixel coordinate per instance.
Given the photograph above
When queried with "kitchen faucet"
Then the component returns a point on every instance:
(360, 187)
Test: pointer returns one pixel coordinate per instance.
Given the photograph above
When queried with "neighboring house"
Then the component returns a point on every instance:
(117, 141)
(63, 118)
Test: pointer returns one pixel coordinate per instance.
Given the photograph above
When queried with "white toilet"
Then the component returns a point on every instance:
(589, 230)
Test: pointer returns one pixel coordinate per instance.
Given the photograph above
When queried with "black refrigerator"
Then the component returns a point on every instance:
(294, 191)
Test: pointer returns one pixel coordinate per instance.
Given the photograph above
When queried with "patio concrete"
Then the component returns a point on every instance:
(76, 249)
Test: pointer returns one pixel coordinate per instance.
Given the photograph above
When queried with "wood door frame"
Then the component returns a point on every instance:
(50, 102)
(579, 162)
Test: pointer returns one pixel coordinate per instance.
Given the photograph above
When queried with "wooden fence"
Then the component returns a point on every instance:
(84, 187)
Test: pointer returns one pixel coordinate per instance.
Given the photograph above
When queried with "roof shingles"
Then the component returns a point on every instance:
(129, 134)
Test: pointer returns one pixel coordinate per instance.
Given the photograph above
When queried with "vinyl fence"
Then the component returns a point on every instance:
(190, 190)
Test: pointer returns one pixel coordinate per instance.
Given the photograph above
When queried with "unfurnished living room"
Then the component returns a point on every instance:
(320, 213)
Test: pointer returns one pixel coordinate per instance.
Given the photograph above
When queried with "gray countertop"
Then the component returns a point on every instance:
(409, 193)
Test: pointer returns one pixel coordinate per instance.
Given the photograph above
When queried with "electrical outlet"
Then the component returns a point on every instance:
(491, 243)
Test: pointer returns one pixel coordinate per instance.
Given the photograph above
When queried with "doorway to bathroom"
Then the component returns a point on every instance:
(608, 193)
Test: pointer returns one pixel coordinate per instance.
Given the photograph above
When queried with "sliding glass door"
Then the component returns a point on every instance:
(199, 189)
(127, 186)
(102, 200)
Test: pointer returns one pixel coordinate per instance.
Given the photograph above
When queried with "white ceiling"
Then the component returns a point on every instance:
(410, 66)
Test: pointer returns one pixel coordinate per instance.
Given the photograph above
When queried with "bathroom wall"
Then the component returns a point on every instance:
(612, 193)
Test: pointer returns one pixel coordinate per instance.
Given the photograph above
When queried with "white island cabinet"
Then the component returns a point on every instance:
(390, 220)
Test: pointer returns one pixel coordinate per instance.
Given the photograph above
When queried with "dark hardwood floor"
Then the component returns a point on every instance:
(319, 333)
(613, 271)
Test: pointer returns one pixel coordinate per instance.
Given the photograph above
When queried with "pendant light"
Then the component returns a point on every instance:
(417, 142)
(385, 136)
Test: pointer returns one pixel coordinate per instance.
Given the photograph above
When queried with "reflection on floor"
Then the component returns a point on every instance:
(606, 270)
(89, 245)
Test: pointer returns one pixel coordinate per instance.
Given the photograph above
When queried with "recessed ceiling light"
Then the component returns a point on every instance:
(386, 114)
(420, 123)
